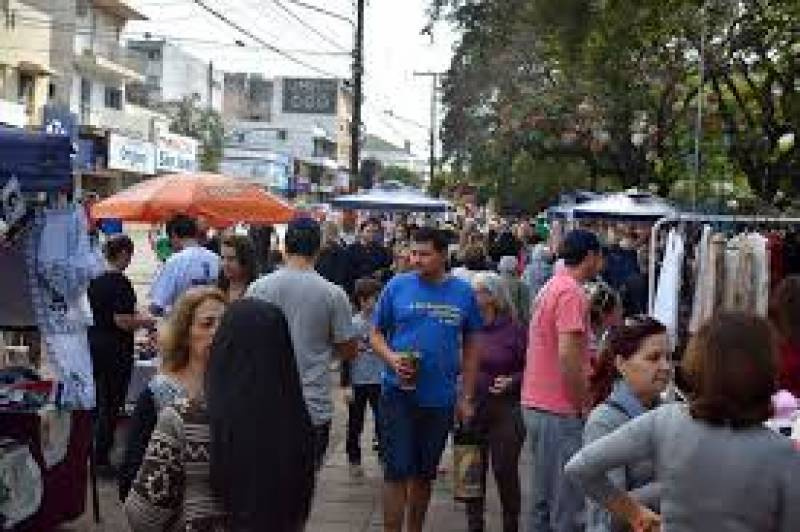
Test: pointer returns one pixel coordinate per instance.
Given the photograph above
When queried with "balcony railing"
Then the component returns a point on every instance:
(108, 56)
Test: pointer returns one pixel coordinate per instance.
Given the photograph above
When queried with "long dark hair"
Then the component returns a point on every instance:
(245, 255)
(623, 340)
(262, 460)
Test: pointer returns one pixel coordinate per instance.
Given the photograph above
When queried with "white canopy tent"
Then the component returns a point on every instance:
(392, 197)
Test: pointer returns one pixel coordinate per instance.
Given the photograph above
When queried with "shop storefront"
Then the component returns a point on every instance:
(119, 163)
(175, 153)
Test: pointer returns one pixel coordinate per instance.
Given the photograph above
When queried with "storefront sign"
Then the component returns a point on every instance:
(12, 114)
(310, 96)
(175, 153)
(131, 155)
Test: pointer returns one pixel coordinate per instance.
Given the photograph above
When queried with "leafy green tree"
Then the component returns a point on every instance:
(205, 125)
(615, 83)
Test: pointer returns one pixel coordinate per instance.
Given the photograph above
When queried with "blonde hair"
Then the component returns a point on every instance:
(174, 335)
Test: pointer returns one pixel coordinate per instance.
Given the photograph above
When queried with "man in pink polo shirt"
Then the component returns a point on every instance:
(555, 383)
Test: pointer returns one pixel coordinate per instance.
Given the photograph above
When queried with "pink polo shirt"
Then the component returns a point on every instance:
(561, 307)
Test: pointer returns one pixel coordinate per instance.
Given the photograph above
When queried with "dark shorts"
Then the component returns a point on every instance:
(412, 437)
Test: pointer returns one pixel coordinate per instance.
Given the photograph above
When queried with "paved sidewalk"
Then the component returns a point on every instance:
(341, 504)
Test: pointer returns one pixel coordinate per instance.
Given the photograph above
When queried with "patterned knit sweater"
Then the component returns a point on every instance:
(172, 490)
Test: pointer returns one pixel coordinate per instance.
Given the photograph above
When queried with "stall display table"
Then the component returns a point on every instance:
(64, 483)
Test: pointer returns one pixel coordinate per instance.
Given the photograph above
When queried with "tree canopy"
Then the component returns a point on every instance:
(608, 90)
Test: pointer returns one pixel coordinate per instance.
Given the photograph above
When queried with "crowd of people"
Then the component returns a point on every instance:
(503, 329)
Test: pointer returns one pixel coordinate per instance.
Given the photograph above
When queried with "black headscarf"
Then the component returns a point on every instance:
(262, 466)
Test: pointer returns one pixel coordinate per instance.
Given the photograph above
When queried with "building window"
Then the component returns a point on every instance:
(154, 55)
(86, 94)
(154, 81)
(283, 134)
(25, 88)
(51, 91)
(113, 98)
(82, 8)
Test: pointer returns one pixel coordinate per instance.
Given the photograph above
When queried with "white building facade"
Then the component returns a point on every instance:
(172, 74)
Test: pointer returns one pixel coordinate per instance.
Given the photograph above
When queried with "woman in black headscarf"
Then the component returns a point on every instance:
(262, 460)
(243, 455)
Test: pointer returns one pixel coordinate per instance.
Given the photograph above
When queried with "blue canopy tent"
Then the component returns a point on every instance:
(40, 162)
(392, 197)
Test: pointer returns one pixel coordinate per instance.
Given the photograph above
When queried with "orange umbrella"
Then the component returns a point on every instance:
(220, 200)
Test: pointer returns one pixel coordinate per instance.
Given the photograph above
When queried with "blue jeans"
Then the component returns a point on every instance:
(558, 504)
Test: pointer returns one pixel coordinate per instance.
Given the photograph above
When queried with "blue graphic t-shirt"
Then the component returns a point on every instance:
(430, 318)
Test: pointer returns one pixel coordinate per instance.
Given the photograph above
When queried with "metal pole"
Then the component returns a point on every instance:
(358, 71)
(433, 126)
(210, 85)
(698, 132)
(432, 139)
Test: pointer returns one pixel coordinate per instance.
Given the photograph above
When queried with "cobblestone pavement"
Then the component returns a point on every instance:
(341, 504)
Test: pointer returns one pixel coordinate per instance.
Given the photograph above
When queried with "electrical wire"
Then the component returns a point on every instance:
(39, 24)
(308, 26)
(265, 44)
(322, 11)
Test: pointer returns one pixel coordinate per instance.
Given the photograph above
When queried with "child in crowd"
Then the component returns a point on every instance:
(361, 379)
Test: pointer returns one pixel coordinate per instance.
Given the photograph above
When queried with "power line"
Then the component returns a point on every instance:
(308, 26)
(259, 40)
(39, 24)
(322, 11)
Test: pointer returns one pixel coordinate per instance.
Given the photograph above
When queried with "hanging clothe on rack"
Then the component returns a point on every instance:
(702, 306)
(667, 298)
(729, 270)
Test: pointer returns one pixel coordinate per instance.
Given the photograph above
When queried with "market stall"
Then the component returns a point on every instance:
(46, 383)
(700, 264)
(392, 197)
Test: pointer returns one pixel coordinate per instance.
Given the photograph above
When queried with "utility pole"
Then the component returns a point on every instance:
(434, 87)
(210, 103)
(358, 71)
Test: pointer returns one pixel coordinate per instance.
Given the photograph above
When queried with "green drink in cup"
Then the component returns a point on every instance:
(411, 361)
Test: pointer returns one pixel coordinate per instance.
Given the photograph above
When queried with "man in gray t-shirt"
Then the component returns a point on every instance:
(320, 322)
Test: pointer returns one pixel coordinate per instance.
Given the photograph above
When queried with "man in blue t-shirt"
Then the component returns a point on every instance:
(434, 315)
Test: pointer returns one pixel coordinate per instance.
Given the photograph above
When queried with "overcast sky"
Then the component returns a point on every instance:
(394, 49)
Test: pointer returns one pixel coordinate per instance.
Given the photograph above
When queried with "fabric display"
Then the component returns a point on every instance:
(61, 263)
(704, 271)
(20, 484)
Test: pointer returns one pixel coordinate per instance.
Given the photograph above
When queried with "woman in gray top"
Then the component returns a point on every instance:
(720, 468)
(630, 373)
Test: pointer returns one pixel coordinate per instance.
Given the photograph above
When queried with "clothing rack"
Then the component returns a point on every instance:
(699, 218)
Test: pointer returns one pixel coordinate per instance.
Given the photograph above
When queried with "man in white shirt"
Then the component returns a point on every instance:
(190, 265)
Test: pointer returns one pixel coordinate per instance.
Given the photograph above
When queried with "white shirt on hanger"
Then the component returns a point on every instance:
(667, 298)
